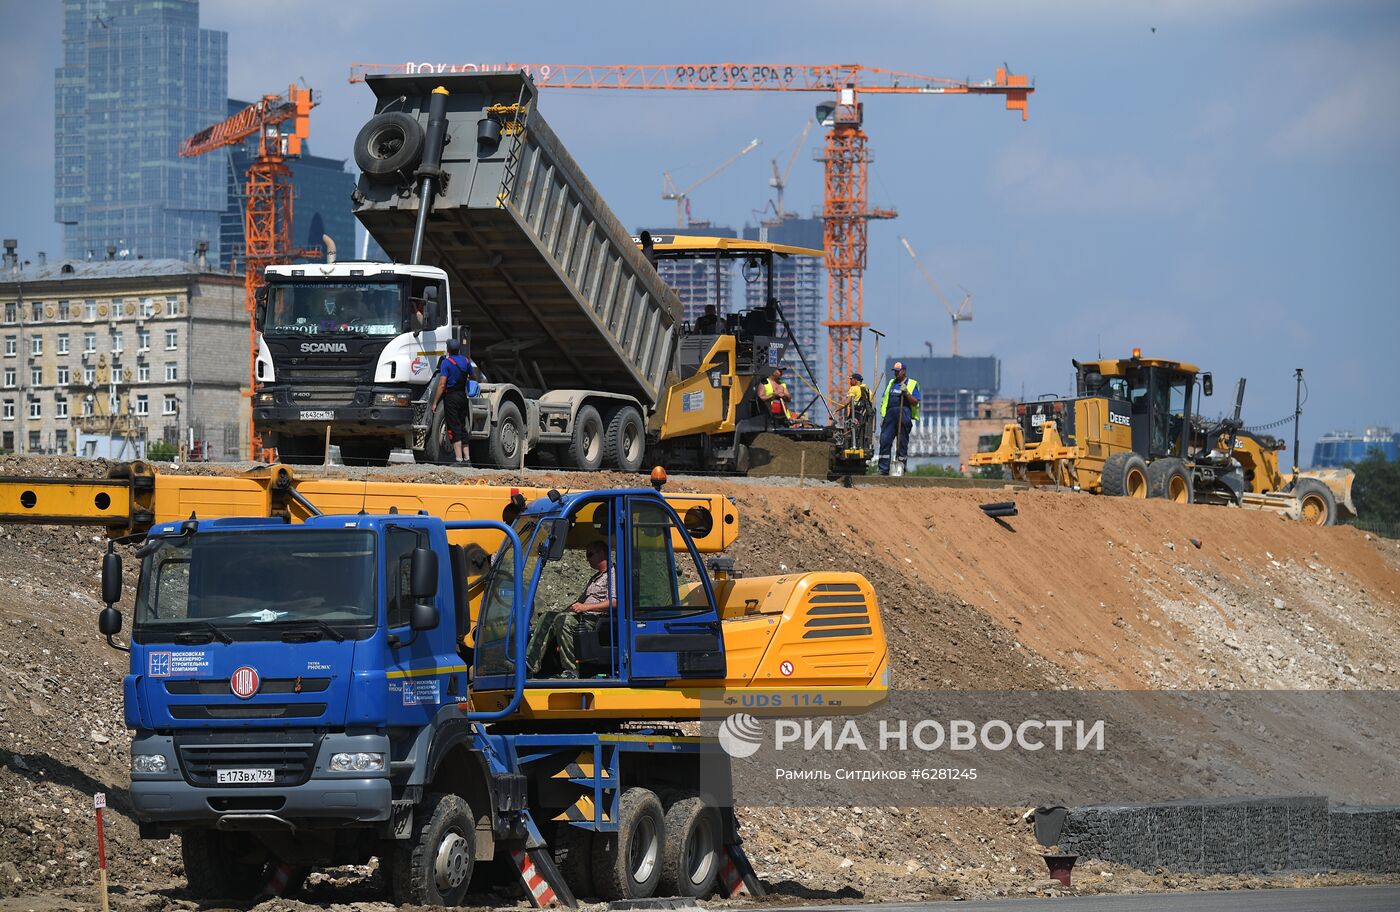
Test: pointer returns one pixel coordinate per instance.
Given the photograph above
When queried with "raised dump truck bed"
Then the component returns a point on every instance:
(554, 291)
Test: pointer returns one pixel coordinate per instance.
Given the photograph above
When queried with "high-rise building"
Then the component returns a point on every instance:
(1340, 448)
(799, 283)
(138, 76)
(321, 190)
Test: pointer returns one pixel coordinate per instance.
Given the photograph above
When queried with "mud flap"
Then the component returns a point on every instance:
(736, 875)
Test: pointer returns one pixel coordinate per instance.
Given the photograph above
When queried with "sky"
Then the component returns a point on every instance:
(1212, 182)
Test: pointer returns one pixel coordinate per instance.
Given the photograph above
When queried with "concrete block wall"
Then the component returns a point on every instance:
(1238, 836)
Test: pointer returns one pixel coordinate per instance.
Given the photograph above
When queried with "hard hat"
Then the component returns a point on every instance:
(454, 346)
(855, 375)
(898, 366)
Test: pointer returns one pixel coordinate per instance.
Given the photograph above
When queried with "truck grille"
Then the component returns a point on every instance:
(247, 710)
(219, 687)
(291, 761)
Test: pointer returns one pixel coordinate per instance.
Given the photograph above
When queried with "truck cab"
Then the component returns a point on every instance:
(350, 345)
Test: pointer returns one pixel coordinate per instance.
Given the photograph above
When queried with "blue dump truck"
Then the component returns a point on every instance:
(356, 686)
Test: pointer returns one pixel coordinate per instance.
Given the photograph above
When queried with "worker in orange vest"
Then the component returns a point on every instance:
(774, 396)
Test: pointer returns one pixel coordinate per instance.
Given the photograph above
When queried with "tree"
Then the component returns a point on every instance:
(160, 451)
(1377, 489)
(935, 470)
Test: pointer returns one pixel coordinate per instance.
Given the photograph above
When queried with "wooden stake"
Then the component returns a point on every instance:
(99, 801)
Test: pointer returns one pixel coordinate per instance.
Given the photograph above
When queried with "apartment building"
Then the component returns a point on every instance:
(100, 358)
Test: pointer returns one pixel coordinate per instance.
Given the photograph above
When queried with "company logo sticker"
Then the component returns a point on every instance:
(158, 665)
(244, 682)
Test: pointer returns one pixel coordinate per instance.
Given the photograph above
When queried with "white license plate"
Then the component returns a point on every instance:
(1036, 420)
(317, 415)
(244, 776)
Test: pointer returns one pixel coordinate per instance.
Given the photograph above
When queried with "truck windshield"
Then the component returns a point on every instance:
(329, 308)
(249, 579)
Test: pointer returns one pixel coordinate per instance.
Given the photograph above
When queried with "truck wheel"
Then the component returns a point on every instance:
(1124, 475)
(586, 449)
(573, 856)
(626, 440)
(507, 437)
(389, 146)
(627, 864)
(1319, 504)
(433, 867)
(690, 865)
(222, 865)
(437, 448)
(1169, 479)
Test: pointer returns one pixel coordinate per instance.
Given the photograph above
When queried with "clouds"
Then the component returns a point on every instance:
(1106, 184)
(1343, 94)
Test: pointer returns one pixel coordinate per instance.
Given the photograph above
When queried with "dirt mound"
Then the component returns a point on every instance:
(1074, 591)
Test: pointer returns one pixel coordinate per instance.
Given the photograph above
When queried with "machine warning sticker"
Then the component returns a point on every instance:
(693, 402)
(786, 669)
(421, 691)
(167, 664)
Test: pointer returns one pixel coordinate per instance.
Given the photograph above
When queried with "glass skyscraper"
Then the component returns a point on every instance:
(138, 76)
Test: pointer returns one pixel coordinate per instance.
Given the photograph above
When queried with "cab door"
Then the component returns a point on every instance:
(674, 629)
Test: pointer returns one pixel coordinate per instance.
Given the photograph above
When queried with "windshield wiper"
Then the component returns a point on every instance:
(308, 622)
(190, 636)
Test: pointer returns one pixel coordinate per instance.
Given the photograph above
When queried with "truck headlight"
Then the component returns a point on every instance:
(357, 762)
(264, 398)
(149, 763)
(403, 399)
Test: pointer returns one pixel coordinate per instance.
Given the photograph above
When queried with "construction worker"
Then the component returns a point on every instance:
(708, 323)
(773, 395)
(558, 628)
(860, 410)
(454, 389)
(899, 409)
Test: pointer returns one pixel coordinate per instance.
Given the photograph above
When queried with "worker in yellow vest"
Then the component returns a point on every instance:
(860, 412)
(773, 395)
(899, 409)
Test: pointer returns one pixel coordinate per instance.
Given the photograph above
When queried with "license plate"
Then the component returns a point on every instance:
(244, 776)
(317, 415)
(1036, 420)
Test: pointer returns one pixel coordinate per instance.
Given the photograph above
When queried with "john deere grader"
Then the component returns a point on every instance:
(1133, 429)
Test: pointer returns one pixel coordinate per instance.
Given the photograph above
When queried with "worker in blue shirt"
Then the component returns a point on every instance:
(899, 409)
(455, 386)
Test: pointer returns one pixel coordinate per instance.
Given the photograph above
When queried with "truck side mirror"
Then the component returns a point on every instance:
(423, 575)
(260, 305)
(558, 538)
(112, 580)
(1207, 384)
(432, 308)
(423, 616)
(109, 621)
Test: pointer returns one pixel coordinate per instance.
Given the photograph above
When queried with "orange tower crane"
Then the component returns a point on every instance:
(280, 123)
(845, 210)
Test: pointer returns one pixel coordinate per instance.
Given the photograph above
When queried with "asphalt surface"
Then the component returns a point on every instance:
(1385, 898)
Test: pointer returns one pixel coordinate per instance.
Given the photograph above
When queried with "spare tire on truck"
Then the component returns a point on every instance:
(389, 146)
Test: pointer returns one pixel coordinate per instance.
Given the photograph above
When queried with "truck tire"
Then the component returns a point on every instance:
(586, 449)
(691, 861)
(433, 867)
(573, 856)
(1169, 479)
(627, 864)
(222, 865)
(507, 437)
(436, 447)
(626, 440)
(389, 146)
(1318, 503)
(1124, 475)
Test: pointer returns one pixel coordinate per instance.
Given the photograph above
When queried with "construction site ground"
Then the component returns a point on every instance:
(1076, 591)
